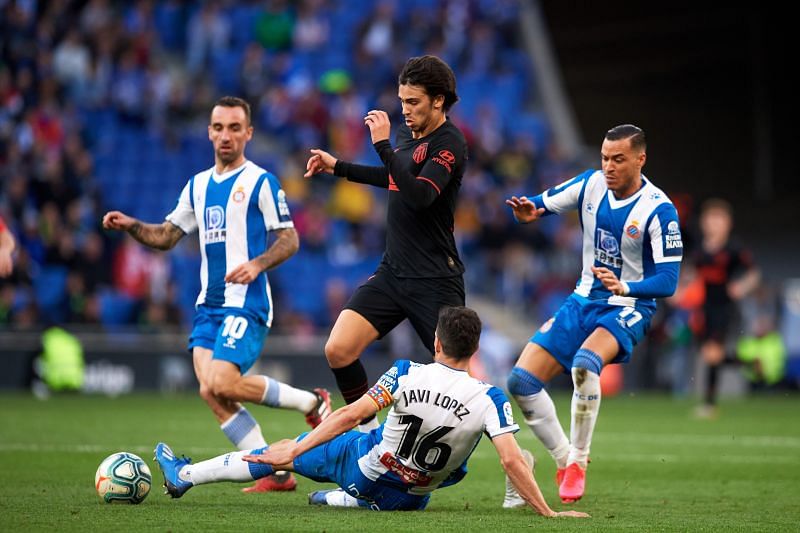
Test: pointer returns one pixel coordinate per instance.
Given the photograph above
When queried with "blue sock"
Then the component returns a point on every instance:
(259, 470)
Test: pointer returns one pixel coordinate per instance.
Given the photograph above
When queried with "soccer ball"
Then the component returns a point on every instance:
(123, 477)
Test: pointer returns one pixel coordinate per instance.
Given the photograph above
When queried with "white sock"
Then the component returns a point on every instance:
(540, 415)
(339, 498)
(243, 431)
(585, 407)
(226, 467)
(277, 394)
(369, 426)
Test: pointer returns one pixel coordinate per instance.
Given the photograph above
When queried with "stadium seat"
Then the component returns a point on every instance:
(50, 289)
(116, 309)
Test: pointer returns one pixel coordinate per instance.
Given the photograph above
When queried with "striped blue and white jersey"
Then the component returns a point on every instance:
(437, 417)
(233, 214)
(638, 238)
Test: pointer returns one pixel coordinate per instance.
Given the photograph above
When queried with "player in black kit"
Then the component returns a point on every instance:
(729, 274)
(420, 271)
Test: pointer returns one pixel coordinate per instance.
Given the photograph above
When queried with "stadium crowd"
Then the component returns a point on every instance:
(83, 84)
(103, 106)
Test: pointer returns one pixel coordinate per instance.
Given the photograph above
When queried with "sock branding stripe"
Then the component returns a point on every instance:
(523, 383)
(272, 392)
(238, 426)
(589, 360)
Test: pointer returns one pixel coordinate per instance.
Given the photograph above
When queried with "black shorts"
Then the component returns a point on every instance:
(386, 300)
(719, 322)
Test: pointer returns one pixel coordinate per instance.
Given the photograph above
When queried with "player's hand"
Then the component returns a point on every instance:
(572, 514)
(320, 161)
(379, 126)
(279, 453)
(736, 290)
(118, 220)
(244, 274)
(609, 280)
(6, 265)
(524, 210)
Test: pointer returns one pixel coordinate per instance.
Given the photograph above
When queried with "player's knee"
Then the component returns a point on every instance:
(338, 354)
(523, 383)
(206, 393)
(225, 389)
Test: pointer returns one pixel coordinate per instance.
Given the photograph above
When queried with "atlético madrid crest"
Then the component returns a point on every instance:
(420, 152)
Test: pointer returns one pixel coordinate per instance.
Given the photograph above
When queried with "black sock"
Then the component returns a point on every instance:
(352, 382)
(711, 385)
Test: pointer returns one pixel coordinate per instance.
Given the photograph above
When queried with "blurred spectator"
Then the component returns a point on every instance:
(312, 29)
(72, 63)
(761, 348)
(208, 34)
(275, 25)
(98, 99)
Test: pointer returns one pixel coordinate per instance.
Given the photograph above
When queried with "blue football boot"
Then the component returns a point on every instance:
(170, 466)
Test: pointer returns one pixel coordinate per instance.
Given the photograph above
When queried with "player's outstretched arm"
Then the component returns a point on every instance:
(320, 161)
(285, 246)
(338, 422)
(524, 209)
(745, 284)
(162, 236)
(517, 469)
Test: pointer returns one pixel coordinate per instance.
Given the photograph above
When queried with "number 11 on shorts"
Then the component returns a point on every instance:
(629, 316)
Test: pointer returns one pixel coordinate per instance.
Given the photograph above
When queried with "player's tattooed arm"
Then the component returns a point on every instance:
(285, 246)
(159, 236)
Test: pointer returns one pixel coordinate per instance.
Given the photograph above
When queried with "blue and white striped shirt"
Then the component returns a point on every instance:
(638, 238)
(233, 213)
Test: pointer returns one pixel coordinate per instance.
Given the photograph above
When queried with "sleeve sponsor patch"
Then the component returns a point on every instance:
(381, 396)
(389, 379)
(673, 244)
(509, 414)
(445, 158)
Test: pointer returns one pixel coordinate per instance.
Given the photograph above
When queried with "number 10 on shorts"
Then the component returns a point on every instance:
(234, 326)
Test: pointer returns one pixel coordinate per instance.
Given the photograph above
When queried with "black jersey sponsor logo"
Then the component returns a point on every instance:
(448, 156)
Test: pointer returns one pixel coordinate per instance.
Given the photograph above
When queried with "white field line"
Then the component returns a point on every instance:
(664, 458)
(140, 449)
(205, 452)
(732, 441)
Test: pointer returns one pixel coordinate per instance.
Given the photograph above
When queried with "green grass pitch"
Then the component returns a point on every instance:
(653, 468)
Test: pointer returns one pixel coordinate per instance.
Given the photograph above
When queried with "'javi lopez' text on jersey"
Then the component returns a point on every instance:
(437, 418)
(634, 237)
(233, 213)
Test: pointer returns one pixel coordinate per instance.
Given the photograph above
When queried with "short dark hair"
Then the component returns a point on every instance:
(434, 75)
(235, 101)
(459, 331)
(628, 131)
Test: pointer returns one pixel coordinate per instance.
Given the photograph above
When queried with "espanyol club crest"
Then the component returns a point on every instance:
(238, 195)
(633, 230)
(419, 153)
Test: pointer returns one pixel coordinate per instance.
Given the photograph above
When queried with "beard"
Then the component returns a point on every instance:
(227, 157)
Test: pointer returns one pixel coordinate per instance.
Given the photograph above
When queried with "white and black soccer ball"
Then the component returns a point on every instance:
(123, 477)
